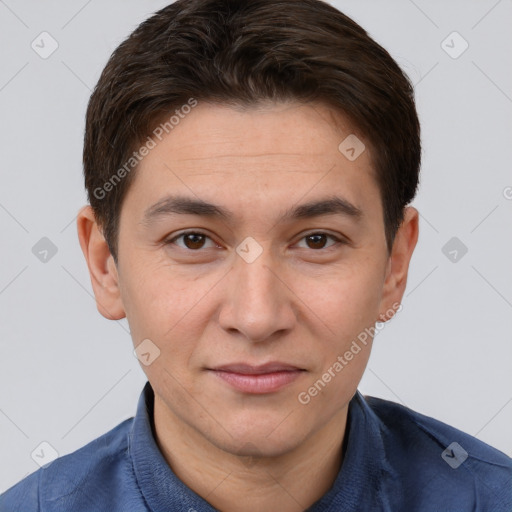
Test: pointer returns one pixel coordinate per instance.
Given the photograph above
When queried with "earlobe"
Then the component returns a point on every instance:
(398, 265)
(101, 265)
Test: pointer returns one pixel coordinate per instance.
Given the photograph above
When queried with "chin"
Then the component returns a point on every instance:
(259, 437)
(259, 446)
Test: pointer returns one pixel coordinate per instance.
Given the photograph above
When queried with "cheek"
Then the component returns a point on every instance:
(344, 301)
(349, 309)
(166, 308)
(149, 298)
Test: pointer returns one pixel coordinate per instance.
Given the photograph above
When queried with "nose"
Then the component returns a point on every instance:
(258, 303)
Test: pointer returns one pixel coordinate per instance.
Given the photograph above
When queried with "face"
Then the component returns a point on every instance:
(253, 303)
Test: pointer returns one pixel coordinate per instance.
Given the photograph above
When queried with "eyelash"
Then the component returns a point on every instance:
(338, 241)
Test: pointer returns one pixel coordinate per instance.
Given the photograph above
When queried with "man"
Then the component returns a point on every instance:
(249, 167)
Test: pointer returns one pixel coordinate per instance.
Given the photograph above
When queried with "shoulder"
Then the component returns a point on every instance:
(440, 464)
(67, 479)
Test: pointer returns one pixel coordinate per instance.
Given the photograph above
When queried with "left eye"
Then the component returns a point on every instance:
(317, 240)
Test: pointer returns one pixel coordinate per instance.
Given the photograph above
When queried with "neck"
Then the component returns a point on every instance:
(290, 482)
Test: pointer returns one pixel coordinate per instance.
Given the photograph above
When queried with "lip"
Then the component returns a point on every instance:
(261, 379)
(248, 369)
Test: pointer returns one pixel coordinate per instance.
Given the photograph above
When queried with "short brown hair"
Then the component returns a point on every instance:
(241, 52)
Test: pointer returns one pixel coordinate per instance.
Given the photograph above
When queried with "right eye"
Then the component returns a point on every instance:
(192, 240)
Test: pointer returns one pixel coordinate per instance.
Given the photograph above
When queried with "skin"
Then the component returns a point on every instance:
(298, 302)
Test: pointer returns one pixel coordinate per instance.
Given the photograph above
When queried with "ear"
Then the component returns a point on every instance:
(398, 264)
(102, 268)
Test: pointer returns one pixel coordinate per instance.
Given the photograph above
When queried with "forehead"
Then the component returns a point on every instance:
(285, 129)
(266, 154)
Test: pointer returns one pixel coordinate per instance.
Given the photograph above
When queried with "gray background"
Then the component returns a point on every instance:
(67, 375)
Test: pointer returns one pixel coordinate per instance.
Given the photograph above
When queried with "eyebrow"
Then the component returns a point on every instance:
(183, 205)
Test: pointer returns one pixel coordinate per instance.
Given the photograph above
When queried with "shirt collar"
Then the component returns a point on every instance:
(358, 483)
(160, 487)
(365, 477)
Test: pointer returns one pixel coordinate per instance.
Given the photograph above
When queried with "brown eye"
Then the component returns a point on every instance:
(190, 240)
(316, 241)
(194, 240)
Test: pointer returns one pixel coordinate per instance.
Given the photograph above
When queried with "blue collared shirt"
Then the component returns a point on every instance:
(395, 460)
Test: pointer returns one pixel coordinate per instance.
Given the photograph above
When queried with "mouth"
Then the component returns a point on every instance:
(267, 378)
